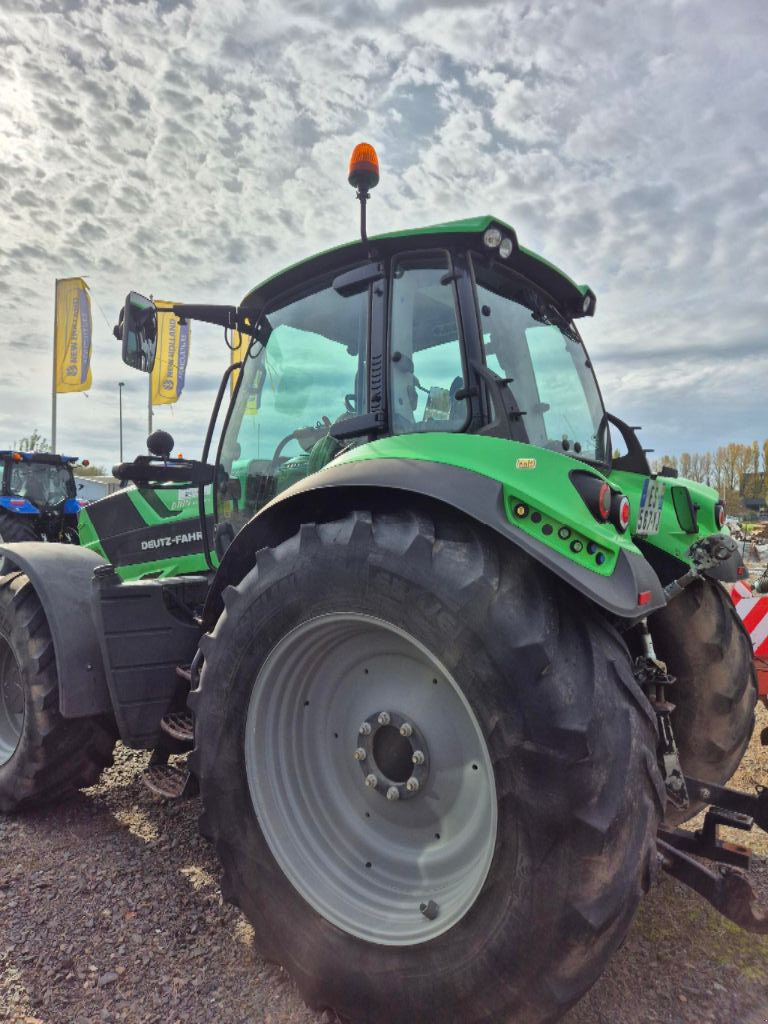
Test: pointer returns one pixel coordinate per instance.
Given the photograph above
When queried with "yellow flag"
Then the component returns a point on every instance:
(173, 340)
(72, 335)
(240, 343)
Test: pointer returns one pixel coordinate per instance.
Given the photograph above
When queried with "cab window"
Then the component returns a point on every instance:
(427, 373)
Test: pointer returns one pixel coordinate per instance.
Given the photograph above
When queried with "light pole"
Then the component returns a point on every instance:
(120, 386)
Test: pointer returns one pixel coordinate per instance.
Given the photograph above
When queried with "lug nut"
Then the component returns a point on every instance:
(371, 781)
(418, 757)
(359, 754)
(412, 784)
(406, 729)
(393, 793)
(365, 729)
(429, 910)
(383, 718)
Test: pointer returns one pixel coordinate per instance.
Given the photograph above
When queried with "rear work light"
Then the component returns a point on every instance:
(492, 238)
(506, 248)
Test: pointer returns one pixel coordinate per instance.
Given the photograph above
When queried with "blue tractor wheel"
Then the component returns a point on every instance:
(14, 528)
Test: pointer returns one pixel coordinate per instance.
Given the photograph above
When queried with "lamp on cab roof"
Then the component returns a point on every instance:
(363, 175)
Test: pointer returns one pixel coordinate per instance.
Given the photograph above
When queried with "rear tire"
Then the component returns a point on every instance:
(43, 756)
(701, 639)
(540, 714)
(14, 528)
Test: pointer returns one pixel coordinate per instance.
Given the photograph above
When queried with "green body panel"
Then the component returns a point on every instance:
(545, 487)
(182, 509)
(671, 538)
(534, 477)
(467, 226)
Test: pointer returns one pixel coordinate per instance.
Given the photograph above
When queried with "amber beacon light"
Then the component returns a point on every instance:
(363, 167)
(363, 175)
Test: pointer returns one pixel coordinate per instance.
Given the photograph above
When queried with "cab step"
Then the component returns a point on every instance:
(180, 725)
(169, 782)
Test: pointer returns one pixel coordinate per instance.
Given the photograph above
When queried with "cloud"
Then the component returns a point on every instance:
(192, 149)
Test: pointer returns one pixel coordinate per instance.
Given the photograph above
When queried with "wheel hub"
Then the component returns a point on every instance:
(392, 754)
(370, 778)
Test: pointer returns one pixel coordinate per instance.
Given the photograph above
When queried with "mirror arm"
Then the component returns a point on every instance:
(232, 317)
(636, 460)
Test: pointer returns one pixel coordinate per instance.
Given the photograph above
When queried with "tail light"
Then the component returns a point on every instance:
(620, 512)
(720, 515)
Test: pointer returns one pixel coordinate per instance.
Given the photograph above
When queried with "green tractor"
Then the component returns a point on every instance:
(450, 673)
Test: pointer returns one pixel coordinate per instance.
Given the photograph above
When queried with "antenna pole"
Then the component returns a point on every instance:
(363, 195)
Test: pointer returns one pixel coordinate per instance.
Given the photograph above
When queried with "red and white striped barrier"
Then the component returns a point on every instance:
(752, 609)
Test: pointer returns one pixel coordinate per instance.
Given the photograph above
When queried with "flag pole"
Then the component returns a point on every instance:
(149, 388)
(149, 406)
(53, 375)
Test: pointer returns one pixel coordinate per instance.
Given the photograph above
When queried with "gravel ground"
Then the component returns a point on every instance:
(110, 911)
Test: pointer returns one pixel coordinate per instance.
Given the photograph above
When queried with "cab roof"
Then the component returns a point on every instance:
(576, 300)
(38, 456)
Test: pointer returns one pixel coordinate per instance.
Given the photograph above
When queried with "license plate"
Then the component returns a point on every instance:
(651, 503)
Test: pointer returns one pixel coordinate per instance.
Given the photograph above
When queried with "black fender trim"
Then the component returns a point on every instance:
(338, 489)
(61, 575)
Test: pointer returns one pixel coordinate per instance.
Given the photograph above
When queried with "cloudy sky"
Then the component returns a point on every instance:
(190, 148)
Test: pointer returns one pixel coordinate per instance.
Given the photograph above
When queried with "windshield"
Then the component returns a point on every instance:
(309, 373)
(42, 483)
(527, 340)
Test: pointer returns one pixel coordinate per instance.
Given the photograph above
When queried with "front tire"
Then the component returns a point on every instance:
(503, 884)
(43, 756)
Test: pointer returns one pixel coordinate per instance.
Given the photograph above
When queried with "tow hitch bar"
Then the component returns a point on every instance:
(727, 889)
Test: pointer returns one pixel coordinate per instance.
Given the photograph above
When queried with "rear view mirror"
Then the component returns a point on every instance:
(138, 332)
(685, 510)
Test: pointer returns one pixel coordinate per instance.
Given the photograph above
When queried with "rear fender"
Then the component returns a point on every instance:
(367, 484)
(61, 575)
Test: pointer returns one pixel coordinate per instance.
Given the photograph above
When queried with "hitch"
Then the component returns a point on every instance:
(729, 891)
(726, 889)
(651, 674)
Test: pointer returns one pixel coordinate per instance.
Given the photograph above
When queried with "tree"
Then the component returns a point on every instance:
(35, 442)
(90, 470)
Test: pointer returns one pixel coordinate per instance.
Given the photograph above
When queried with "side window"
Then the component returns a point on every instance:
(310, 373)
(426, 368)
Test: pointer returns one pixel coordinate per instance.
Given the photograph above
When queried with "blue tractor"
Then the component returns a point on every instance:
(38, 499)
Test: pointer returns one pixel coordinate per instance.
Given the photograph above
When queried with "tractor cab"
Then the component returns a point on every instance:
(450, 329)
(36, 482)
(38, 499)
